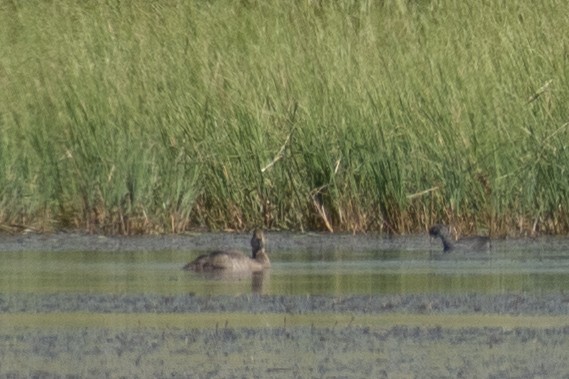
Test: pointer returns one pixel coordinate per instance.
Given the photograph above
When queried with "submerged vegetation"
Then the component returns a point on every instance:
(133, 117)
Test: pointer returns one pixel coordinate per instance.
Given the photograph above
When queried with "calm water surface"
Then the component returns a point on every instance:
(327, 271)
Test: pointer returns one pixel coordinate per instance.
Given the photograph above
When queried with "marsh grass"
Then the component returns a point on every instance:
(358, 115)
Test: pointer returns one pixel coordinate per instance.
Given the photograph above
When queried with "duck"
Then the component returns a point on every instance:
(467, 244)
(234, 261)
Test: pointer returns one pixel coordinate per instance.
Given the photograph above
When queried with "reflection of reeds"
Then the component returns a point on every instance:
(141, 118)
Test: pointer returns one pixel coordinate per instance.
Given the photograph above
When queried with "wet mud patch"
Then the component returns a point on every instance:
(286, 352)
(431, 336)
(515, 304)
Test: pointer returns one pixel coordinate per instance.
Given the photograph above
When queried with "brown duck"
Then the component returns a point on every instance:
(234, 261)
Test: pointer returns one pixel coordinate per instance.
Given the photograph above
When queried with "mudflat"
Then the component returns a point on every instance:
(283, 336)
(341, 351)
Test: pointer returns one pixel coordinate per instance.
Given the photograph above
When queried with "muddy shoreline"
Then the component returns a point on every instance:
(225, 351)
(277, 241)
(512, 304)
(348, 352)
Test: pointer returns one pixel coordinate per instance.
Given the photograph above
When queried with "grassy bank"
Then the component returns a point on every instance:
(356, 115)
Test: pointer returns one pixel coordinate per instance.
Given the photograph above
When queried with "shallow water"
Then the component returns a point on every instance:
(384, 266)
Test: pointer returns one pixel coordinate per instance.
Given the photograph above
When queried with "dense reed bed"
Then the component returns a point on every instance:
(132, 117)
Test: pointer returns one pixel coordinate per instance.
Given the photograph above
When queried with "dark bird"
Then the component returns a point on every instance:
(234, 261)
(475, 243)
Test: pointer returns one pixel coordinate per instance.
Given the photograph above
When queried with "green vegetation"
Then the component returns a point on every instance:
(131, 117)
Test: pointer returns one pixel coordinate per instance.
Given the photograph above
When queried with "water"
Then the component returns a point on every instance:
(44, 332)
(338, 269)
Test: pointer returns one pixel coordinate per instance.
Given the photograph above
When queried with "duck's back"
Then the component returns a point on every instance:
(466, 244)
(475, 243)
(224, 260)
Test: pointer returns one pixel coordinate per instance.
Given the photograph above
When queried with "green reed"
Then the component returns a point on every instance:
(358, 115)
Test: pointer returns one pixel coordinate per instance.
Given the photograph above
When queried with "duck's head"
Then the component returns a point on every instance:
(257, 241)
(439, 230)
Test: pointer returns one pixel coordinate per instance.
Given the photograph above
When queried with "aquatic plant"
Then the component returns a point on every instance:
(141, 117)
